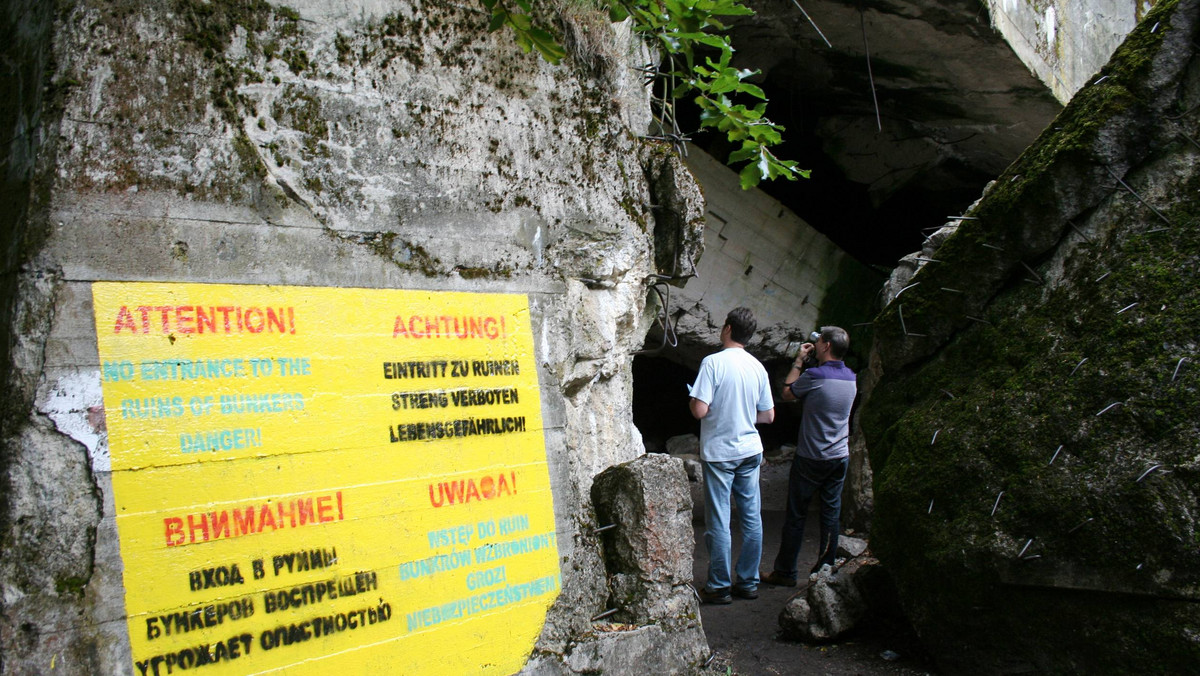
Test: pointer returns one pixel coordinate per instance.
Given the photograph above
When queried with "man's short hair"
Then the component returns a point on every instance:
(741, 325)
(838, 339)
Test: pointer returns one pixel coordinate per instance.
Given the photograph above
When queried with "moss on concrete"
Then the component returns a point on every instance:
(1019, 488)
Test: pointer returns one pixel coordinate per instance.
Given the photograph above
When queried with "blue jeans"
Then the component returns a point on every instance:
(739, 478)
(806, 479)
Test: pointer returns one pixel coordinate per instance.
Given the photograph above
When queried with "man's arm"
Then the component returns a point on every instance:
(700, 409)
(765, 417)
(794, 372)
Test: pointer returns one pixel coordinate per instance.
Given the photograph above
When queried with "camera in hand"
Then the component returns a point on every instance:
(811, 360)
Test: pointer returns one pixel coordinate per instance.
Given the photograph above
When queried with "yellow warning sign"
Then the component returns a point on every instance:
(311, 480)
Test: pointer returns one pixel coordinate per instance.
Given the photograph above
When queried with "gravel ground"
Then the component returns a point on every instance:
(744, 636)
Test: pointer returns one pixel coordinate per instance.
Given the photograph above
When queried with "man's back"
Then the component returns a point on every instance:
(734, 385)
(828, 393)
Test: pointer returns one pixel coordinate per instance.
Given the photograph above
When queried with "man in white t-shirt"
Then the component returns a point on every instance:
(730, 396)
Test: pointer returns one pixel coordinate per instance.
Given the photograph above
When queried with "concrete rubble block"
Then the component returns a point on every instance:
(683, 444)
(626, 649)
(850, 547)
(834, 603)
(648, 501)
(648, 560)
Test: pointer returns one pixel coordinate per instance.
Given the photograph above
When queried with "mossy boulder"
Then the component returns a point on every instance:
(1033, 433)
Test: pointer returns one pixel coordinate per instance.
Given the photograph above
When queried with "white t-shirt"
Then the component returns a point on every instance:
(734, 385)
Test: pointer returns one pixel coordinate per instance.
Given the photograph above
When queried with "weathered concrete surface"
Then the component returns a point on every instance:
(833, 603)
(648, 502)
(1064, 43)
(364, 144)
(1032, 429)
(903, 115)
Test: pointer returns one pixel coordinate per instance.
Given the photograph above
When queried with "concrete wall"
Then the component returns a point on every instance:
(1065, 43)
(759, 254)
(385, 145)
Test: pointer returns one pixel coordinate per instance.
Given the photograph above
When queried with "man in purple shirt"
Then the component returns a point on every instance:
(827, 392)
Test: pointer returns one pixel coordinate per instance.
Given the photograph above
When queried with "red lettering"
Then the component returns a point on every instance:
(289, 515)
(145, 312)
(397, 328)
(124, 321)
(203, 319)
(304, 510)
(243, 522)
(266, 517)
(195, 526)
(489, 328)
(471, 490)
(275, 319)
(183, 321)
(189, 319)
(174, 530)
(220, 524)
(253, 519)
(323, 509)
(487, 487)
(254, 312)
(225, 310)
(441, 496)
(164, 311)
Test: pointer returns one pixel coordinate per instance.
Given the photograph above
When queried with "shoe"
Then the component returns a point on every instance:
(718, 597)
(748, 594)
(778, 579)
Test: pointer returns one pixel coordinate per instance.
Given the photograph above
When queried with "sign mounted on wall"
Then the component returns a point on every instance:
(319, 479)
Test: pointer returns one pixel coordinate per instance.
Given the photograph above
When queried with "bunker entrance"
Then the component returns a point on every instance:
(660, 406)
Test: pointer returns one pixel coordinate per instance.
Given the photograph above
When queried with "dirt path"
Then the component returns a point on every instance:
(744, 636)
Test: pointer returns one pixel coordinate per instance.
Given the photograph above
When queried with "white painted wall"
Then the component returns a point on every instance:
(757, 254)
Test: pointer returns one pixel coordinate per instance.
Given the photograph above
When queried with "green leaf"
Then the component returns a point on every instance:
(499, 18)
(749, 177)
(520, 22)
(546, 45)
(747, 151)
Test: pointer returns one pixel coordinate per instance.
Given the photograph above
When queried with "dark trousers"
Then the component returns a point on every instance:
(807, 478)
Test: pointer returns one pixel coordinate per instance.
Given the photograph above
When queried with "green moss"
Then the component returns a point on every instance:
(1003, 397)
(296, 59)
(496, 271)
(70, 585)
(344, 48)
(248, 158)
(1009, 391)
(298, 109)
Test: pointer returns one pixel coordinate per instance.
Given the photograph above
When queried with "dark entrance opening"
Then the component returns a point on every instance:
(660, 405)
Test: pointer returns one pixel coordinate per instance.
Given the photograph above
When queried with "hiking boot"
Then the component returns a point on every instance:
(719, 597)
(778, 579)
(745, 593)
